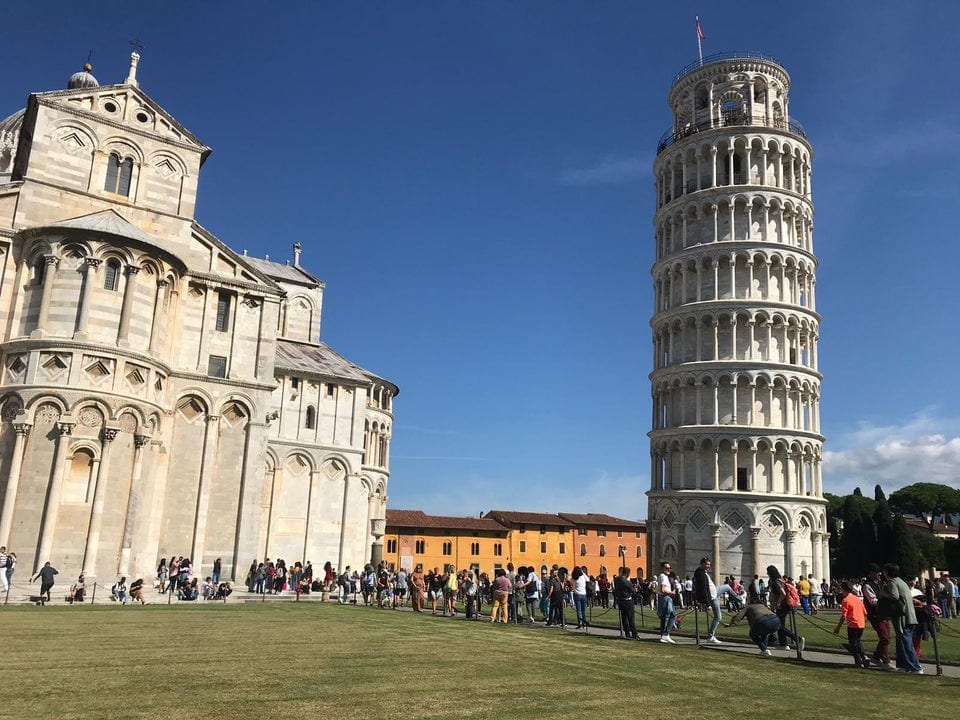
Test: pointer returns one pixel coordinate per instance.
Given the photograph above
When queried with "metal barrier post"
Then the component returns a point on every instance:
(696, 621)
(93, 595)
(793, 627)
(936, 648)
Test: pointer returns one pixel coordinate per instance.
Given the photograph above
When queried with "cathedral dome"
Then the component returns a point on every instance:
(82, 79)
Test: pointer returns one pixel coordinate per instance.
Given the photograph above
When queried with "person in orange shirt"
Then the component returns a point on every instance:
(855, 615)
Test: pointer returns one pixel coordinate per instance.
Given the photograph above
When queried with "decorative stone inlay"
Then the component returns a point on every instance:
(91, 417)
(17, 365)
(136, 377)
(297, 464)
(772, 525)
(54, 365)
(334, 471)
(128, 423)
(669, 519)
(47, 414)
(11, 409)
(734, 521)
(190, 408)
(698, 519)
(234, 414)
(98, 370)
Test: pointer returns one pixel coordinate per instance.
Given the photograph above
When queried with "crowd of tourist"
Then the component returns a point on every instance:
(905, 611)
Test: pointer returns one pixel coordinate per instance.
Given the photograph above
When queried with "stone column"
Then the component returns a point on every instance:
(682, 547)
(65, 427)
(13, 481)
(312, 502)
(49, 275)
(157, 315)
(133, 504)
(755, 549)
(90, 277)
(349, 489)
(377, 528)
(207, 468)
(825, 559)
(791, 536)
(716, 552)
(817, 554)
(96, 514)
(251, 494)
(128, 292)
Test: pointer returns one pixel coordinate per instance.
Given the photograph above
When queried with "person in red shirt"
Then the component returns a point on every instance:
(855, 615)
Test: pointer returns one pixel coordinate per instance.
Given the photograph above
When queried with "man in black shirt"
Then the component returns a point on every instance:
(46, 579)
(623, 593)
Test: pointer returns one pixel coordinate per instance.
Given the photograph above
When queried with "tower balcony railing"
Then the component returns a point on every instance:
(726, 55)
(729, 121)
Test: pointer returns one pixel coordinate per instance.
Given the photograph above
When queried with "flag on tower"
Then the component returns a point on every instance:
(700, 35)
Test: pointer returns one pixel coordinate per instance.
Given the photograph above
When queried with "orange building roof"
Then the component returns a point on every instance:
(419, 519)
(602, 520)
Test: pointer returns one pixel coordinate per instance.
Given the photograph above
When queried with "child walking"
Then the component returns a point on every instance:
(854, 614)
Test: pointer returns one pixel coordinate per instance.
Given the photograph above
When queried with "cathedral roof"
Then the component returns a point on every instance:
(12, 124)
(281, 271)
(109, 222)
(321, 359)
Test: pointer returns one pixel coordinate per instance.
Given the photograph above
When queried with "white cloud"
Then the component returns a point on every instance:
(618, 496)
(608, 170)
(926, 448)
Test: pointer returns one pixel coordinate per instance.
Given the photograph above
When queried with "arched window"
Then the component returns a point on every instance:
(111, 276)
(603, 551)
(583, 549)
(639, 551)
(311, 420)
(119, 175)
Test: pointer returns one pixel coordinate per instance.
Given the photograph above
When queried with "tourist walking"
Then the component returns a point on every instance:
(906, 621)
(46, 575)
(853, 613)
(872, 590)
(705, 593)
(665, 607)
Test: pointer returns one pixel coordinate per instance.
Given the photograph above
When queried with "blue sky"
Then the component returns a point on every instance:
(473, 182)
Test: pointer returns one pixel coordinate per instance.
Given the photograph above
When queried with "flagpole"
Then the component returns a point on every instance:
(699, 45)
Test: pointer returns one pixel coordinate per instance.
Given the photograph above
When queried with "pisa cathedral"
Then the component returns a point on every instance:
(160, 393)
(735, 443)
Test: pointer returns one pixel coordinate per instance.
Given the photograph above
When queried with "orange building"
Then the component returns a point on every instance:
(603, 543)
(500, 537)
(414, 538)
(538, 539)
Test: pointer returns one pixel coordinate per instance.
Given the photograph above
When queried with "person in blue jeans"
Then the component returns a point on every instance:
(763, 623)
(579, 579)
(665, 608)
(905, 624)
(705, 593)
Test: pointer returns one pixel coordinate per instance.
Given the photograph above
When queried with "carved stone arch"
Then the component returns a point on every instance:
(76, 136)
(191, 407)
(85, 444)
(165, 158)
(107, 252)
(298, 463)
(123, 146)
(200, 393)
(11, 404)
(154, 423)
(334, 469)
(47, 398)
(271, 460)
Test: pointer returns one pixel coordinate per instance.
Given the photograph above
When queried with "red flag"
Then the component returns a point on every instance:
(700, 35)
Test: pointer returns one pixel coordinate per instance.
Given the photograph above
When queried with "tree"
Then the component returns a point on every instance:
(931, 550)
(883, 521)
(926, 500)
(858, 537)
(905, 552)
(878, 494)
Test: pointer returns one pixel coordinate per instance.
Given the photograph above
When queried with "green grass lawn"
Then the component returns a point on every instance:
(284, 660)
(817, 629)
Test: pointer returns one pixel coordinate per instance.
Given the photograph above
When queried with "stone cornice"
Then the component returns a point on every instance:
(726, 248)
(54, 344)
(743, 367)
(213, 280)
(131, 129)
(692, 309)
(741, 432)
(196, 377)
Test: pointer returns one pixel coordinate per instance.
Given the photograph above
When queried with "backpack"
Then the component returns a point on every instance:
(889, 608)
(790, 595)
(472, 589)
(9, 562)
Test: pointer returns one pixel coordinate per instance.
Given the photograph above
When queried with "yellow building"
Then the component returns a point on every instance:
(414, 538)
(499, 537)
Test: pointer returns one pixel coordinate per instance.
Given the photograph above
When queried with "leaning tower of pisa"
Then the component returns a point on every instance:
(735, 442)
